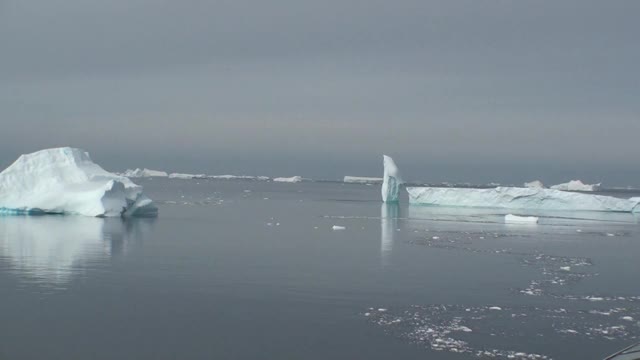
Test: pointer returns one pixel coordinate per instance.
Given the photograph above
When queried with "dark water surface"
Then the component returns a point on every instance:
(253, 270)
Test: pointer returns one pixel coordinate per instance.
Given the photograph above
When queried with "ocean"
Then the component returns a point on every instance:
(242, 269)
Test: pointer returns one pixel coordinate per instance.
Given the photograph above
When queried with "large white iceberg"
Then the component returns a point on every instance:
(362, 180)
(66, 181)
(139, 173)
(293, 179)
(576, 185)
(391, 180)
(519, 198)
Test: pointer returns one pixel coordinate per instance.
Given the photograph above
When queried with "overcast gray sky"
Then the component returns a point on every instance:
(454, 90)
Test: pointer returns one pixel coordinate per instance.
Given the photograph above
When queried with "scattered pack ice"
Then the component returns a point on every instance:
(391, 180)
(536, 184)
(515, 219)
(293, 179)
(576, 185)
(138, 173)
(362, 180)
(66, 181)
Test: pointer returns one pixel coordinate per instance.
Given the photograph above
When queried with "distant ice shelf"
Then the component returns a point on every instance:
(187, 176)
(238, 177)
(576, 185)
(362, 180)
(66, 181)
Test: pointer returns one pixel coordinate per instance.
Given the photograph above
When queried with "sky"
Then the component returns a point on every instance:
(470, 91)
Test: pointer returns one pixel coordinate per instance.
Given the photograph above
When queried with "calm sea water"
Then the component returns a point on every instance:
(253, 270)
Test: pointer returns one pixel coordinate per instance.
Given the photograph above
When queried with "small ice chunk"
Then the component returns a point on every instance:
(565, 268)
(515, 219)
(627, 318)
(611, 234)
(496, 308)
(382, 310)
(336, 227)
(435, 237)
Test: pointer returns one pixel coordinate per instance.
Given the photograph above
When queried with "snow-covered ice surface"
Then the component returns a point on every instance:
(293, 179)
(576, 185)
(515, 219)
(519, 198)
(536, 184)
(138, 173)
(391, 180)
(362, 180)
(66, 181)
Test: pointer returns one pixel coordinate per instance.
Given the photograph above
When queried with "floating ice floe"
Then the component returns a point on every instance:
(576, 185)
(515, 219)
(66, 181)
(536, 184)
(336, 227)
(138, 173)
(187, 176)
(293, 179)
(391, 180)
(362, 180)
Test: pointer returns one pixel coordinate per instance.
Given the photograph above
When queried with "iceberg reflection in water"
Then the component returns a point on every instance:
(388, 225)
(50, 250)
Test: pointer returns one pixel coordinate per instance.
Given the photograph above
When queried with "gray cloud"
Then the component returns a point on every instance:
(468, 89)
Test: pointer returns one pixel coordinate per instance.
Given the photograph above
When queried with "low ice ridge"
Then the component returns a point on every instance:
(66, 181)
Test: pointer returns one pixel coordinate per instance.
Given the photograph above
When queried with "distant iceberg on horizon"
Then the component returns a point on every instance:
(576, 185)
(525, 198)
(140, 173)
(293, 179)
(362, 180)
(66, 181)
(535, 184)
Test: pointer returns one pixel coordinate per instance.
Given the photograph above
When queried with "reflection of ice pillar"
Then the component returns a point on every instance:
(388, 226)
